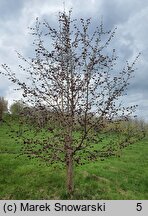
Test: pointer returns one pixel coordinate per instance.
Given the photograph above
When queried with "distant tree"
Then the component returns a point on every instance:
(3, 107)
(16, 108)
(72, 77)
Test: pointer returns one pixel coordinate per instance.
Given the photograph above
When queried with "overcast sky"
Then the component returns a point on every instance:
(129, 16)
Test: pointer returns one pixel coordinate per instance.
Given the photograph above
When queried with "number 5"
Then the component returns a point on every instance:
(139, 206)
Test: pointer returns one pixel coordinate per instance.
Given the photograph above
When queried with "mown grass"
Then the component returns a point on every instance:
(124, 177)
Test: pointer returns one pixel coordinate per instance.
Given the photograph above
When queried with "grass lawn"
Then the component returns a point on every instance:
(124, 177)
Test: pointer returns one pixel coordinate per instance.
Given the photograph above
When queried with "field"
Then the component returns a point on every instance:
(124, 177)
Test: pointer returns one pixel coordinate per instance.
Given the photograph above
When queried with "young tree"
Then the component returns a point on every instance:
(3, 107)
(76, 85)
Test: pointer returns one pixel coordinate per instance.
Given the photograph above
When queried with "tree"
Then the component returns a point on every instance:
(16, 108)
(3, 107)
(77, 85)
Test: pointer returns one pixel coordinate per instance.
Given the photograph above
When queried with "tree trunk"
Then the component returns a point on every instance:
(1, 114)
(69, 164)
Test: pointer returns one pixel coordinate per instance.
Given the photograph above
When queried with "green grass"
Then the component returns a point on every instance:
(124, 177)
